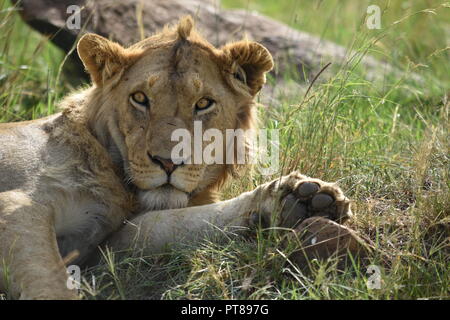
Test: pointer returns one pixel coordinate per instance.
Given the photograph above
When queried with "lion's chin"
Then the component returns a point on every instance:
(164, 197)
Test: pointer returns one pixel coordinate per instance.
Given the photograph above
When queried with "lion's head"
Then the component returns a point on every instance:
(142, 93)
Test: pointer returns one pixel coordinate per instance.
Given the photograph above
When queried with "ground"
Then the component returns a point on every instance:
(387, 145)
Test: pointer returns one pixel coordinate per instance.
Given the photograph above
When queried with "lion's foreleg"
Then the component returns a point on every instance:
(31, 265)
(284, 202)
(155, 231)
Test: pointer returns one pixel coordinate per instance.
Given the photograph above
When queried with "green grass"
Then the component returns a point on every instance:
(387, 145)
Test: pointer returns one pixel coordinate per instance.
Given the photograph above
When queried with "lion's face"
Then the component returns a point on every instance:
(165, 88)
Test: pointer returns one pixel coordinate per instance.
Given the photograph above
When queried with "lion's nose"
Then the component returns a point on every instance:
(166, 164)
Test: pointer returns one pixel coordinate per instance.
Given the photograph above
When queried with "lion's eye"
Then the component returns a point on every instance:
(139, 100)
(204, 104)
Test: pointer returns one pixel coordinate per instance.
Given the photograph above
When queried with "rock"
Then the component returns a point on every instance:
(118, 20)
(321, 238)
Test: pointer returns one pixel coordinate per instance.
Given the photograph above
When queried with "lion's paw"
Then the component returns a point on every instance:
(288, 201)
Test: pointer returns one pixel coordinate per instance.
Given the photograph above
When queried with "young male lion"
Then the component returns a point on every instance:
(69, 182)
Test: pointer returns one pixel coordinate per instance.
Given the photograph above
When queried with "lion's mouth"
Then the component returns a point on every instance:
(165, 187)
(162, 198)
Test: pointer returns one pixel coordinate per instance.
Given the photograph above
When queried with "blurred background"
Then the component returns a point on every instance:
(414, 34)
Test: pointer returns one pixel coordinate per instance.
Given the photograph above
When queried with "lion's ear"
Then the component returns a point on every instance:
(102, 58)
(250, 61)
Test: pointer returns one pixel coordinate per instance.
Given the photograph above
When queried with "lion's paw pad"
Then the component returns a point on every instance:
(313, 198)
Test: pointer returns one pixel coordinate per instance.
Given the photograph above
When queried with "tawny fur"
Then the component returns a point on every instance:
(87, 176)
(95, 152)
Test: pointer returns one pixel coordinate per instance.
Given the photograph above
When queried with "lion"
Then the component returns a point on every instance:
(100, 172)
